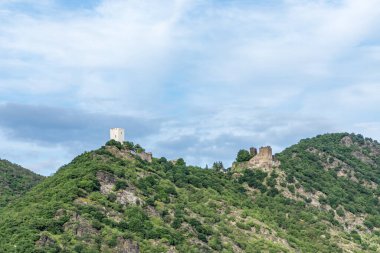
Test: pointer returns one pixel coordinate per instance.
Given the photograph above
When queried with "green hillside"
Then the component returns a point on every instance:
(14, 181)
(322, 198)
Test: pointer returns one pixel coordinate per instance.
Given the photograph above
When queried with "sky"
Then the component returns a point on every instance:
(198, 79)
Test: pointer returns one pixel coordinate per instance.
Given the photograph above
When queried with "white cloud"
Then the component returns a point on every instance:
(364, 96)
(208, 70)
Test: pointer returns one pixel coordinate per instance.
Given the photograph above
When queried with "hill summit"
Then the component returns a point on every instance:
(322, 196)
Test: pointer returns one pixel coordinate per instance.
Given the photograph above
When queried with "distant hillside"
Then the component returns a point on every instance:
(323, 197)
(14, 181)
(343, 169)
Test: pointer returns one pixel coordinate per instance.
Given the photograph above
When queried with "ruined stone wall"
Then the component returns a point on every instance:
(253, 151)
(263, 159)
(265, 153)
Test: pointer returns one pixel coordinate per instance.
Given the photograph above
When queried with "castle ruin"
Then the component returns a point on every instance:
(262, 159)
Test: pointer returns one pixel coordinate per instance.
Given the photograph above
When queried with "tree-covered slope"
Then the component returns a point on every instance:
(110, 200)
(344, 168)
(14, 181)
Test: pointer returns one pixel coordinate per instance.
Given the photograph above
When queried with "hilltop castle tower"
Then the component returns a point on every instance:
(117, 134)
(263, 159)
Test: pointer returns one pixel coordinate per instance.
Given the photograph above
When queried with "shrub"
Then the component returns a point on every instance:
(291, 188)
(114, 143)
(243, 156)
(111, 197)
(120, 184)
(340, 212)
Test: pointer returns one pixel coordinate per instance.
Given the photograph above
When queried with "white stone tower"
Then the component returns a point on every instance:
(117, 134)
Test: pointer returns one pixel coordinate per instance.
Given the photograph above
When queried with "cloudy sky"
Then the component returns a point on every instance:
(197, 79)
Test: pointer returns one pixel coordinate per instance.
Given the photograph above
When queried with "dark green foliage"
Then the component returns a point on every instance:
(120, 184)
(138, 148)
(372, 221)
(129, 145)
(180, 162)
(254, 178)
(340, 212)
(114, 143)
(218, 166)
(243, 156)
(112, 197)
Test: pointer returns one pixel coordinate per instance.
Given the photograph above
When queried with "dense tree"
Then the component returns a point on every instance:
(243, 156)
(218, 166)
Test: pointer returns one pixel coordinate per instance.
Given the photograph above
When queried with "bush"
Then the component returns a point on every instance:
(129, 145)
(291, 188)
(180, 162)
(243, 226)
(340, 212)
(120, 184)
(114, 143)
(111, 197)
(243, 156)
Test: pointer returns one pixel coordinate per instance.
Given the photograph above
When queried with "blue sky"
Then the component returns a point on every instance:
(187, 78)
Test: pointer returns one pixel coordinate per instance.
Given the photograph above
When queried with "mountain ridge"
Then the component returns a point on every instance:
(106, 201)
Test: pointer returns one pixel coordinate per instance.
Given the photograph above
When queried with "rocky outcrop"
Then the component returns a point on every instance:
(127, 197)
(80, 226)
(45, 241)
(107, 181)
(363, 158)
(347, 141)
(107, 185)
(119, 153)
(123, 246)
(126, 246)
(128, 154)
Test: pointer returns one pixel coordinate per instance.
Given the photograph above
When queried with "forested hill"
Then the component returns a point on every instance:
(14, 181)
(343, 169)
(322, 198)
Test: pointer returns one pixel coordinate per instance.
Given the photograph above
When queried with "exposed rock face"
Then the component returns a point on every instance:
(145, 156)
(363, 158)
(122, 246)
(120, 153)
(126, 246)
(127, 197)
(107, 181)
(80, 226)
(128, 154)
(45, 241)
(347, 141)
